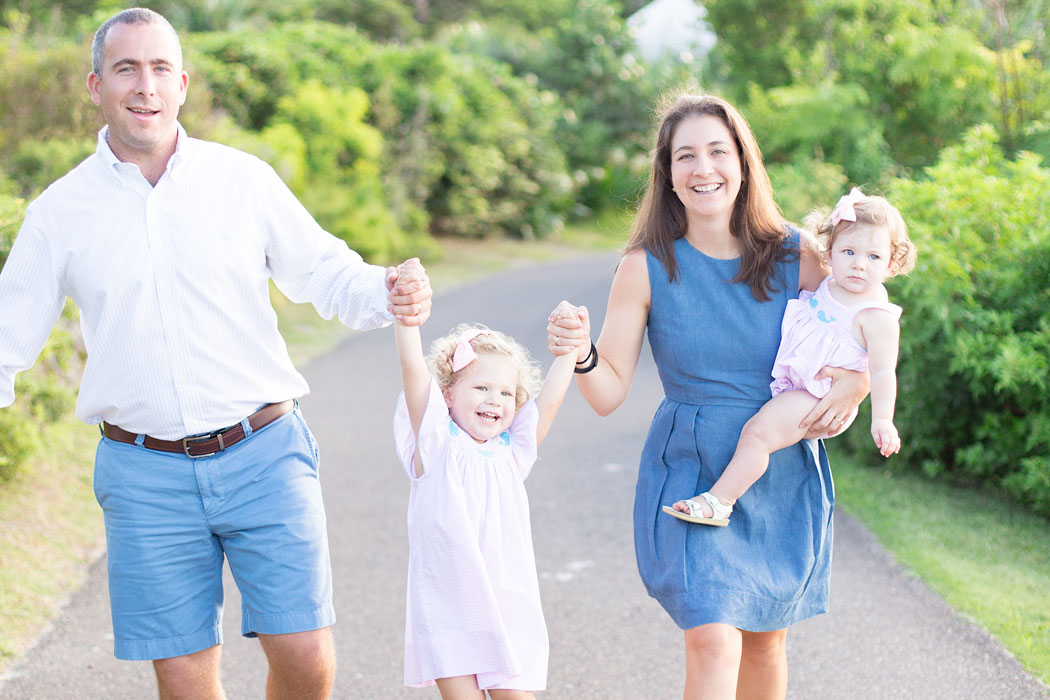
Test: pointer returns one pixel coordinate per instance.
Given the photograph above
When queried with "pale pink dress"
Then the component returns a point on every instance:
(817, 332)
(473, 594)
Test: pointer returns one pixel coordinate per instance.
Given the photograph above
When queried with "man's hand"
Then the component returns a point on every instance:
(410, 292)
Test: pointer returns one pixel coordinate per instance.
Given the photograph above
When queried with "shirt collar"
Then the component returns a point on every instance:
(115, 165)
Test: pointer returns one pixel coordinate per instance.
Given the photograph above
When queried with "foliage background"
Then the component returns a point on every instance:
(402, 124)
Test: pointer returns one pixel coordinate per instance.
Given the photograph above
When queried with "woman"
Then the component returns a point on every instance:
(708, 272)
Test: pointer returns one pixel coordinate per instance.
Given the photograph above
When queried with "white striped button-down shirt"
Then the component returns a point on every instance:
(172, 286)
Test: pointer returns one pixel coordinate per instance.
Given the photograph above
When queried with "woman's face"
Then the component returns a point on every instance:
(705, 169)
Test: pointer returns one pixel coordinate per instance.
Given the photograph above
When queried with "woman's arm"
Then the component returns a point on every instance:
(881, 334)
(620, 342)
(813, 264)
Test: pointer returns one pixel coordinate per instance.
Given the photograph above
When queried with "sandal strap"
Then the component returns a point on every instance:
(718, 509)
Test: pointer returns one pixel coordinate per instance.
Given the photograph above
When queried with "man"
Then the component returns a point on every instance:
(166, 244)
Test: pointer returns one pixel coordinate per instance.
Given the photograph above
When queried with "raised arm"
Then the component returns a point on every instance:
(550, 398)
(414, 374)
(606, 386)
(881, 334)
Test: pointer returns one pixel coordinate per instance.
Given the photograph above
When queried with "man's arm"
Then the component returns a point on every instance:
(31, 300)
(308, 264)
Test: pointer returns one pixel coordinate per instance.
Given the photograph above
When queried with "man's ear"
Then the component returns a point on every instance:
(185, 83)
(93, 86)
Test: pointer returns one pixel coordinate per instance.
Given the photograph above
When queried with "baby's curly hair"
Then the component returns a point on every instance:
(490, 342)
(871, 211)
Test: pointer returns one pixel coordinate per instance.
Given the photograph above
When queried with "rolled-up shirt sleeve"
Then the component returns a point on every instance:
(308, 264)
(31, 299)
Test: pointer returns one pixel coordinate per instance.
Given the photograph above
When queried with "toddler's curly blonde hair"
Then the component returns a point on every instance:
(490, 342)
(872, 210)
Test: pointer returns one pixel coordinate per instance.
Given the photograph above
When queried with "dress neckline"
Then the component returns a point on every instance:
(704, 255)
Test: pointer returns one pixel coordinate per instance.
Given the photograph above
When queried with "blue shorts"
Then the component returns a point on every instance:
(171, 519)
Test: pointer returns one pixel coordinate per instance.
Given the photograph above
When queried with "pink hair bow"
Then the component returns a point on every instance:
(845, 209)
(464, 353)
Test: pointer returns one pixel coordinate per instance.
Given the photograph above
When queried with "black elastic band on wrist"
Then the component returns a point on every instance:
(590, 362)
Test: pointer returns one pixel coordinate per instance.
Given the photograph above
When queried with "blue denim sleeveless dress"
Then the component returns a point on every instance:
(714, 347)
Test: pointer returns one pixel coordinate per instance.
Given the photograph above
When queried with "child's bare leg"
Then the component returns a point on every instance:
(773, 428)
(460, 688)
(504, 694)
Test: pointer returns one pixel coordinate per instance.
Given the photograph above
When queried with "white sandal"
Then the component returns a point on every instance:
(720, 511)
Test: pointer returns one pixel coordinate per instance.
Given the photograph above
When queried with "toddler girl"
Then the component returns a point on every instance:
(848, 322)
(467, 432)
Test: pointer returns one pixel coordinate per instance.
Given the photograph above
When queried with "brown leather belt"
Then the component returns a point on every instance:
(207, 444)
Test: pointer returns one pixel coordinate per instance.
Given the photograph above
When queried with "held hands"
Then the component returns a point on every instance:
(885, 435)
(569, 330)
(410, 292)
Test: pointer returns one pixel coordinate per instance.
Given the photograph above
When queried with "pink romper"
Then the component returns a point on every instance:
(473, 595)
(817, 332)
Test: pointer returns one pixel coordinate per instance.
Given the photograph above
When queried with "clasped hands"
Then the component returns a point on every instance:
(569, 330)
(410, 293)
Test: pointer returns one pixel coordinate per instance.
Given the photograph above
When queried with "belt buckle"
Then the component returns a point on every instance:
(201, 438)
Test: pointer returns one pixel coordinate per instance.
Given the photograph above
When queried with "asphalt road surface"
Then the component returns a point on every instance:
(887, 636)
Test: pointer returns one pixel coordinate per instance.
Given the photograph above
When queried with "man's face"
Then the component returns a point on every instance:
(140, 90)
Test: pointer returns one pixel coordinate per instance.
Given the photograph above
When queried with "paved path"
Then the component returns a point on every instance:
(887, 636)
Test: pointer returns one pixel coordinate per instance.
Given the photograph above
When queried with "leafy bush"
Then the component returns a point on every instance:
(805, 184)
(829, 122)
(974, 372)
(36, 164)
(912, 68)
(42, 93)
(605, 94)
(472, 142)
(468, 148)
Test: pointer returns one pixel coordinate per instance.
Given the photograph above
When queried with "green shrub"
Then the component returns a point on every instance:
(35, 164)
(584, 55)
(974, 372)
(468, 148)
(805, 184)
(469, 141)
(42, 92)
(12, 210)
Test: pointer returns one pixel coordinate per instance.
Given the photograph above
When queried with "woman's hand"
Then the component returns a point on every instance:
(568, 330)
(836, 411)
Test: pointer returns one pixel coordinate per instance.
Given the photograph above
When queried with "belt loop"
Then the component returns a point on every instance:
(139, 439)
(247, 426)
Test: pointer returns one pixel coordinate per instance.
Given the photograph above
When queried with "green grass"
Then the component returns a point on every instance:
(983, 554)
(50, 530)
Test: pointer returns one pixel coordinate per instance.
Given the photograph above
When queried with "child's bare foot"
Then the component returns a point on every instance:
(705, 509)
